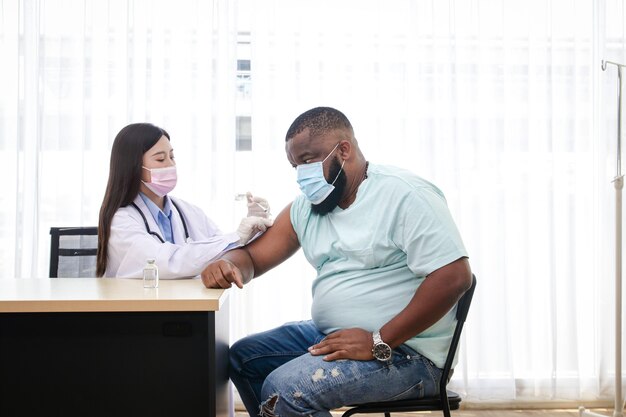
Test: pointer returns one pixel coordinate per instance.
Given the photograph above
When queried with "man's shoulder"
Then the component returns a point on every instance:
(388, 171)
(395, 178)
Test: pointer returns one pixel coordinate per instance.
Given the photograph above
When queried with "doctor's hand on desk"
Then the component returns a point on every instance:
(251, 226)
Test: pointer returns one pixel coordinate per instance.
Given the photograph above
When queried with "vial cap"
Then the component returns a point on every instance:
(151, 261)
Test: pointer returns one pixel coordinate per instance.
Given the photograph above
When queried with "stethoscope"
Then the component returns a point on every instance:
(180, 213)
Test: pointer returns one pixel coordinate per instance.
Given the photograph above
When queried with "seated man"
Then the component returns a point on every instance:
(390, 268)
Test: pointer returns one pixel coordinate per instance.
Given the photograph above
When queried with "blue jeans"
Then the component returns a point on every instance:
(276, 375)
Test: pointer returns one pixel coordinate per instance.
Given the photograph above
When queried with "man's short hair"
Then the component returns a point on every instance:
(319, 121)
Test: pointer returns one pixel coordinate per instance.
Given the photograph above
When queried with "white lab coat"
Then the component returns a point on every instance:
(130, 244)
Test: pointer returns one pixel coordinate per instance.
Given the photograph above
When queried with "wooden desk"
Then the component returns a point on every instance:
(109, 347)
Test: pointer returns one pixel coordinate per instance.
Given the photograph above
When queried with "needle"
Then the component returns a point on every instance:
(241, 196)
(260, 205)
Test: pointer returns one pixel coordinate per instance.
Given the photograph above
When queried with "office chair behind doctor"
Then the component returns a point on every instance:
(139, 220)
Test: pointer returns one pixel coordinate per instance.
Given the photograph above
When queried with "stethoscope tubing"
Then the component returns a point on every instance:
(145, 222)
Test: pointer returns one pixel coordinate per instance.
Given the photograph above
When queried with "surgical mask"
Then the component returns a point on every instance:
(163, 180)
(312, 182)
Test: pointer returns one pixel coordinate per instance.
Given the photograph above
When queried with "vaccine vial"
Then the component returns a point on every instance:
(150, 275)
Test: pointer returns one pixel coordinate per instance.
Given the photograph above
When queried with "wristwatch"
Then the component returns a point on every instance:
(381, 350)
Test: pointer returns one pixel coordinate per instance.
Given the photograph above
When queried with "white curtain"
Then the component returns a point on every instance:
(501, 103)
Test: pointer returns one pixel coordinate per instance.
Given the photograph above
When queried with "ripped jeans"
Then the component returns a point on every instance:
(276, 376)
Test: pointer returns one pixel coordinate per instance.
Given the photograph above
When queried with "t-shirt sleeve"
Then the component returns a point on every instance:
(427, 232)
(298, 212)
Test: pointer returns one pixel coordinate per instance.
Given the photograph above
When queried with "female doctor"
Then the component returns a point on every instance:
(139, 220)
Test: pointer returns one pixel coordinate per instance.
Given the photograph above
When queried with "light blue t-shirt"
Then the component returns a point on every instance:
(372, 257)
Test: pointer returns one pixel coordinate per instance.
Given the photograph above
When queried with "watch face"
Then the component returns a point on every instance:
(382, 352)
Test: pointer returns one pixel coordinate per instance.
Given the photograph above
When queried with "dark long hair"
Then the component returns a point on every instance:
(124, 178)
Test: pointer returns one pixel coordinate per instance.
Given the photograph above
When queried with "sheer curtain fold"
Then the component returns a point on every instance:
(500, 103)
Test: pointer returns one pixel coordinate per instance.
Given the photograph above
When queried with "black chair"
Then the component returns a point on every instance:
(73, 252)
(446, 400)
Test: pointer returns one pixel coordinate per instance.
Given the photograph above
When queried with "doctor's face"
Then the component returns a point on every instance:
(161, 155)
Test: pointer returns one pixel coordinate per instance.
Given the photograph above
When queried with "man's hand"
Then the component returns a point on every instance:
(222, 274)
(345, 344)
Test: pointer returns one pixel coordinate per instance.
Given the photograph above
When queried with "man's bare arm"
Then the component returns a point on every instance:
(439, 292)
(239, 266)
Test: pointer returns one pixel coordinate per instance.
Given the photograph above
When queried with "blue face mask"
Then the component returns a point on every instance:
(312, 181)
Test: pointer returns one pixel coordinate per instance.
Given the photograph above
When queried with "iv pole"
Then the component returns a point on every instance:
(618, 183)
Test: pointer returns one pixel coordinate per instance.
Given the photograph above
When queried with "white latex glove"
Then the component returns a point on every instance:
(257, 206)
(251, 226)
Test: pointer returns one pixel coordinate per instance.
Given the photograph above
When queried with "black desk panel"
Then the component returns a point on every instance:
(114, 364)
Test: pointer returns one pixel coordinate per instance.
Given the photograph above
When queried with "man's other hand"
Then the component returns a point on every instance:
(345, 344)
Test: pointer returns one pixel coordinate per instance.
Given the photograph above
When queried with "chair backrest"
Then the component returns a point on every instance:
(73, 251)
(462, 309)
